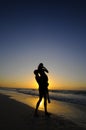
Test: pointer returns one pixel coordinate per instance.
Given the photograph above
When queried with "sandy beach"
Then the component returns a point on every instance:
(15, 115)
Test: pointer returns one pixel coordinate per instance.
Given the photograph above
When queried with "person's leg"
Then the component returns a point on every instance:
(45, 103)
(37, 105)
(48, 97)
(47, 94)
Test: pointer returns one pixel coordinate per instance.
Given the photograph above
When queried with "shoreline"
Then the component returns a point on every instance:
(16, 115)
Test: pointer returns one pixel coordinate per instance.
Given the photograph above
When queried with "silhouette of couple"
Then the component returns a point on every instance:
(42, 80)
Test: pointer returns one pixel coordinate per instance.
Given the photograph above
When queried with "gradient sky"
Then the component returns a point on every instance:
(50, 31)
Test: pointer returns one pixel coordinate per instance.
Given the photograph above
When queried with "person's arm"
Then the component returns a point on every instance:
(45, 70)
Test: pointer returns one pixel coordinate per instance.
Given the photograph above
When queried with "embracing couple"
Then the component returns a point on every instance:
(42, 80)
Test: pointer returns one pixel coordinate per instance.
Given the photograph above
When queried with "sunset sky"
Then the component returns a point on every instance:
(52, 32)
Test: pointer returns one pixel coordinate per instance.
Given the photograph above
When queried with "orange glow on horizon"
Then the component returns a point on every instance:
(53, 84)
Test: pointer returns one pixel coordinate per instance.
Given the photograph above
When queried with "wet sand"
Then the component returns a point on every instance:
(15, 115)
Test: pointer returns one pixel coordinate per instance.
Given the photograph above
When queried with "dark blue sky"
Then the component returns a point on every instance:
(49, 31)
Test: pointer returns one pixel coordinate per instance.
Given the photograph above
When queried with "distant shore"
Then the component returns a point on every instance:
(15, 115)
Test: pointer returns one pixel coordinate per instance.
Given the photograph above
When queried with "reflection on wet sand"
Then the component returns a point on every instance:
(68, 110)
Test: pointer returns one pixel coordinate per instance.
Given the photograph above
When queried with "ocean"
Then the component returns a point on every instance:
(71, 96)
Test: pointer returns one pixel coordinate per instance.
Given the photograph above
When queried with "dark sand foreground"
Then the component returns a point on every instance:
(16, 116)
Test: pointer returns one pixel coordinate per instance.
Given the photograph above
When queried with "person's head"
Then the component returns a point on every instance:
(40, 65)
(40, 68)
(35, 72)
